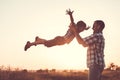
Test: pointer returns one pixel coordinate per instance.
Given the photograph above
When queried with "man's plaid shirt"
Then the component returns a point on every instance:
(95, 52)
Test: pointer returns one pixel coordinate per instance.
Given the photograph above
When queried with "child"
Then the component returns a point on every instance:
(58, 40)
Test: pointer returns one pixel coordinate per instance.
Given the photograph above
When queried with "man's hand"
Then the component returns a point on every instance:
(73, 28)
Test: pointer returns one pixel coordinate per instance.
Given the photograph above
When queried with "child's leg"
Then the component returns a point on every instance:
(59, 40)
(28, 44)
(36, 42)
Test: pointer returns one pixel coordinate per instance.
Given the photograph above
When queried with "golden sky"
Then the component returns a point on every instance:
(23, 20)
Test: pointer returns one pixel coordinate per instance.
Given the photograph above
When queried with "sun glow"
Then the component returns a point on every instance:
(23, 20)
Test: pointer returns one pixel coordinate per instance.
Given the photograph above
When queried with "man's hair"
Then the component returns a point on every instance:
(101, 23)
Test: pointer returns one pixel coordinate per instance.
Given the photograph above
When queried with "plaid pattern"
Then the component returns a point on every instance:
(69, 36)
(95, 52)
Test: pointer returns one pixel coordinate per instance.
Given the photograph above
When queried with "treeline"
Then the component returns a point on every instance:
(8, 73)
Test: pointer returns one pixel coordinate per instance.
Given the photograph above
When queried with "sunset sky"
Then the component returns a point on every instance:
(23, 20)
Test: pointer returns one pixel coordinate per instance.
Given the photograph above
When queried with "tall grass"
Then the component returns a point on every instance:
(17, 74)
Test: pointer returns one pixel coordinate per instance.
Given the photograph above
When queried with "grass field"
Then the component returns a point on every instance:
(54, 75)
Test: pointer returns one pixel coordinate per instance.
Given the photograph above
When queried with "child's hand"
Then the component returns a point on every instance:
(69, 12)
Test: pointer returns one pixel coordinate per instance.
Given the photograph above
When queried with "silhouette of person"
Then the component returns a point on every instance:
(58, 40)
(95, 49)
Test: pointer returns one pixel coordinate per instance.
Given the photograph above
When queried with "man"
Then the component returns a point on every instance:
(59, 40)
(95, 49)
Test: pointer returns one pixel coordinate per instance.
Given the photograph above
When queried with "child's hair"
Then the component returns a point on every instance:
(81, 24)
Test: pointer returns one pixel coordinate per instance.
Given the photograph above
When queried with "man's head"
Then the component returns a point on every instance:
(98, 26)
(81, 26)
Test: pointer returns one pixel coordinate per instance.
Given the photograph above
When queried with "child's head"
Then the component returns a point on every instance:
(81, 26)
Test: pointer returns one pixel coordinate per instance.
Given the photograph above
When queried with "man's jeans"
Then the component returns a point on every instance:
(95, 72)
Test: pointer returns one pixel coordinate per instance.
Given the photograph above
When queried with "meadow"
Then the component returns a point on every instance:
(53, 74)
